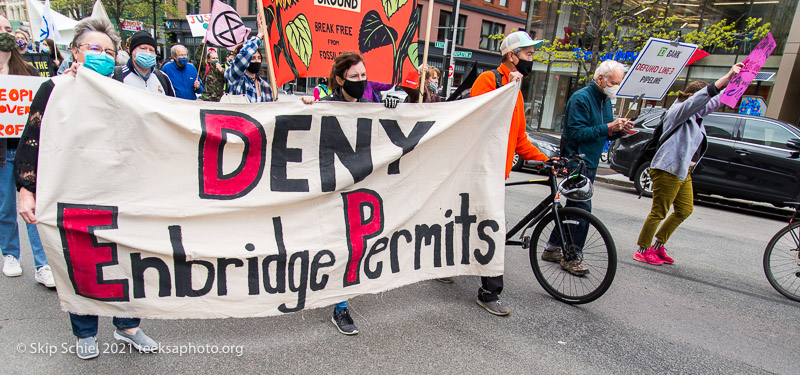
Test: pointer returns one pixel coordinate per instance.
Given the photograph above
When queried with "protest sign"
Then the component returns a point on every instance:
(307, 35)
(198, 23)
(655, 69)
(132, 25)
(43, 63)
(752, 65)
(158, 207)
(16, 95)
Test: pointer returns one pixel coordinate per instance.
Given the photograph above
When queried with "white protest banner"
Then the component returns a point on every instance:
(16, 95)
(655, 69)
(158, 207)
(198, 23)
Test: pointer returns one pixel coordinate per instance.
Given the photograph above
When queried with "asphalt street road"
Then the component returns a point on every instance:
(713, 311)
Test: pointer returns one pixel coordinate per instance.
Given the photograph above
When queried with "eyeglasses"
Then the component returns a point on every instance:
(94, 49)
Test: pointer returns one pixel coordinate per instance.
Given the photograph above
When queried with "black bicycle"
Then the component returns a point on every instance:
(549, 226)
(782, 258)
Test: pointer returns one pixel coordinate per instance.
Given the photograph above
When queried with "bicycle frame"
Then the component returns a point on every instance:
(550, 203)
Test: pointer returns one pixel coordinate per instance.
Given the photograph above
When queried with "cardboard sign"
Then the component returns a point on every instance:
(307, 35)
(16, 95)
(198, 23)
(132, 25)
(43, 63)
(655, 69)
(752, 65)
(262, 209)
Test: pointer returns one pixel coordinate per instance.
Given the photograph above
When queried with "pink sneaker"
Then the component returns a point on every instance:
(661, 253)
(649, 257)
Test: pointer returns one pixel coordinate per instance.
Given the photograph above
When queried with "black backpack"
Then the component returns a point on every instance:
(648, 151)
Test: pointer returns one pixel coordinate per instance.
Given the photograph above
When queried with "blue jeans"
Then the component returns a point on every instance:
(9, 229)
(578, 232)
(84, 326)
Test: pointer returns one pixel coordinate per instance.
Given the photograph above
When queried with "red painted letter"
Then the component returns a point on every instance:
(361, 225)
(85, 256)
(217, 126)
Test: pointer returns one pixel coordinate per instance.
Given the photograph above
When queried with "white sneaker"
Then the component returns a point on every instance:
(44, 276)
(11, 267)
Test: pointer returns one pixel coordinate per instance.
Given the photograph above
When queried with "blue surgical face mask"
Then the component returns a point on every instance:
(44, 49)
(433, 86)
(183, 61)
(99, 62)
(146, 60)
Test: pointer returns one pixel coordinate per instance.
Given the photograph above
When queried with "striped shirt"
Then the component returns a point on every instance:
(239, 83)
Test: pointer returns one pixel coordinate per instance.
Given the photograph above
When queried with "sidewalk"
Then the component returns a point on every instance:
(610, 176)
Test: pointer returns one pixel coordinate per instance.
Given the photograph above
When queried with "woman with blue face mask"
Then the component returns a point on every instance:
(48, 46)
(94, 47)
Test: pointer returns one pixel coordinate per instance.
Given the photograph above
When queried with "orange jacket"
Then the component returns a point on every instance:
(517, 138)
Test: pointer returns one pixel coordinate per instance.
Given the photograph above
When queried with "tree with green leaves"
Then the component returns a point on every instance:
(609, 31)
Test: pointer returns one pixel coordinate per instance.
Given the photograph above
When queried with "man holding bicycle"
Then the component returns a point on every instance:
(517, 49)
(588, 123)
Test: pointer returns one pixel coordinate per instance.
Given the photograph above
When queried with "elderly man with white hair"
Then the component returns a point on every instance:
(588, 123)
(182, 74)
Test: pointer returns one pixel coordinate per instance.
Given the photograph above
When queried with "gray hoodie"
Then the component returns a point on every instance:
(675, 155)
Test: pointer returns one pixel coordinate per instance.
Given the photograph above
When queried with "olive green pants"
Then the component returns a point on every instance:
(668, 190)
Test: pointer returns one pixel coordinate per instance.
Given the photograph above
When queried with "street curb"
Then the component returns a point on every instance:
(614, 181)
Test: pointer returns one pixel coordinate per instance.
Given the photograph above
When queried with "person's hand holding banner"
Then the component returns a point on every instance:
(735, 69)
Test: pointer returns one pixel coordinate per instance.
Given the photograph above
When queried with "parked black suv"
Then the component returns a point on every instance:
(748, 157)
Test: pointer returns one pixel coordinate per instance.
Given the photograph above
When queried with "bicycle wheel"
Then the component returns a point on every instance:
(782, 262)
(599, 256)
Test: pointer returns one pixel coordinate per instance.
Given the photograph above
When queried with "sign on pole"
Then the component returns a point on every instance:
(464, 54)
(132, 25)
(655, 69)
(198, 23)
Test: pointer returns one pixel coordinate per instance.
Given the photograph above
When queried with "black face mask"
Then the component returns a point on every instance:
(254, 67)
(524, 66)
(355, 88)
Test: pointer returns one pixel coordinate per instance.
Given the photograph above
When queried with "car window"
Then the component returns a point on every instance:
(765, 133)
(719, 126)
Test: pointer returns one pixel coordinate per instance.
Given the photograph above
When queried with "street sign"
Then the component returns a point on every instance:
(450, 71)
(439, 44)
(464, 54)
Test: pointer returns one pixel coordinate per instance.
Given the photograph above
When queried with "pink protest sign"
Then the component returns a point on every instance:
(752, 65)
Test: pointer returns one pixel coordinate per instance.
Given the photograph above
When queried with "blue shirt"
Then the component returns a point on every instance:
(183, 80)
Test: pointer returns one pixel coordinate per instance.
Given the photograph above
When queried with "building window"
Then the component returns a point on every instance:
(503, 3)
(535, 9)
(491, 29)
(446, 28)
(252, 7)
(193, 7)
(489, 1)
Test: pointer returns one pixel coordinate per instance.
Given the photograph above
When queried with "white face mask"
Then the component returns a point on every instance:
(610, 91)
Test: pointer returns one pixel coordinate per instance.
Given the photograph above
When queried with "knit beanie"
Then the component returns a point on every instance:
(141, 37)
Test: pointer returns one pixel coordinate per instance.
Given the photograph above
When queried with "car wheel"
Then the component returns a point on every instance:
(518, 161)
(642, 180)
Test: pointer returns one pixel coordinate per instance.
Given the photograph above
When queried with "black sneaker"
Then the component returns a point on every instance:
(344, 323)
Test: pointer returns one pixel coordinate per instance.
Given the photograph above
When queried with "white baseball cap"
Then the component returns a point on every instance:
(518, 39)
